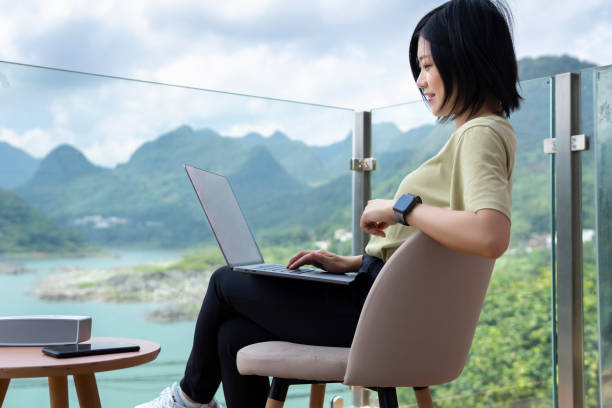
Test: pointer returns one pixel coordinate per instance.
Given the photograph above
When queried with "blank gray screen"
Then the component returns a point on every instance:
(225, 217)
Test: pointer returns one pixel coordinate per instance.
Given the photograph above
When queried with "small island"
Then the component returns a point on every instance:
(180, 286)
(14, 268)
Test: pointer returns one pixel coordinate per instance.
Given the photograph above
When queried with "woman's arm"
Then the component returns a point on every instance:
(485, 232)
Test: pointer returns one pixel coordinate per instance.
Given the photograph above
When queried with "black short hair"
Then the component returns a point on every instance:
(472, 48)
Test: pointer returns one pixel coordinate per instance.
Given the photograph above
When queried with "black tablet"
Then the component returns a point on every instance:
(80, 350)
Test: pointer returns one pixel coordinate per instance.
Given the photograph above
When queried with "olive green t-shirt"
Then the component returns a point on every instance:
(471, 172)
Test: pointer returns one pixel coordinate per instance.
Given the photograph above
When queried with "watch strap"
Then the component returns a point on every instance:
(404, 205)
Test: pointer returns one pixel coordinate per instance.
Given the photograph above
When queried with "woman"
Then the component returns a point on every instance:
(462, 58)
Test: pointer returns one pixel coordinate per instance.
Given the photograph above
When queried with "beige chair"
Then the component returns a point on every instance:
(415, 330)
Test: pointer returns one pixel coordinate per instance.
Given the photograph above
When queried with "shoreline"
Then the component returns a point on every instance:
(179, 291)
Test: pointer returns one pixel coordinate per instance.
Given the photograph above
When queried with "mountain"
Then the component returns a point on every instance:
(387, 137)
(23, 229)
(309, 164)
(63, 164)
(548, 65)
(335, 152)
(261, 172)
(16, 166)
(149, 199)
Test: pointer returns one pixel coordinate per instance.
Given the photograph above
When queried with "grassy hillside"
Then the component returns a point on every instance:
(23, 229)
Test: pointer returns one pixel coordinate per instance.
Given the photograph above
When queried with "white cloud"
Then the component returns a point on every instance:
(241, 129)
(239, 10)
(578, 28)
(344, 52)
(597, 41)
(108, 119)
(35, 141)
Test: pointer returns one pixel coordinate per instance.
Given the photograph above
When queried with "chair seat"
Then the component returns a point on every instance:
(294, 361)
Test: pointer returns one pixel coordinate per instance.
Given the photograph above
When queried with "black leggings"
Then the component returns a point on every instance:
(241, 309)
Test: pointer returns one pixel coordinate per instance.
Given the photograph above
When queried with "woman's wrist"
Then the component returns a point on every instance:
(354, 262)
(413, 215)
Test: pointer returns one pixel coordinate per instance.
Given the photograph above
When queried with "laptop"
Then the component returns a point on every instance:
(234, 235)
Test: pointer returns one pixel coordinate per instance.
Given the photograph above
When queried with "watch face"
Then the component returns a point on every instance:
(403, 203)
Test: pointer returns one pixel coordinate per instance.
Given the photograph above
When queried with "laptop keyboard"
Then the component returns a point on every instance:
(313, 274)
(281, 268)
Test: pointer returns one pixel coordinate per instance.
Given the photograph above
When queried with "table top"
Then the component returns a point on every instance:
(27, 362)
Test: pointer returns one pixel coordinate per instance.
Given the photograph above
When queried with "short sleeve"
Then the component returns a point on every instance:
(483, 170)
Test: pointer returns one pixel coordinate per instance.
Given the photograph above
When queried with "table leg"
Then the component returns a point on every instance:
(58, 391)
(4, 383)
(87, 390)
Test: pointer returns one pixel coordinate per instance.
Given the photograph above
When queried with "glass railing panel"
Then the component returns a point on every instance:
(510, 362)
(98, 217)
(403, 136)
(602, 112)
(589, 285)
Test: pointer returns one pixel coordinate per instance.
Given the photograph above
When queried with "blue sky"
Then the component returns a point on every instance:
(333, 52)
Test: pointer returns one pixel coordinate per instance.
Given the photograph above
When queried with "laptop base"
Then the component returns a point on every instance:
(317, 275)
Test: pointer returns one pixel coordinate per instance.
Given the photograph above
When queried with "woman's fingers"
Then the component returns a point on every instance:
(375, 230)
(296, 256)
(320, 258)
(302, 258)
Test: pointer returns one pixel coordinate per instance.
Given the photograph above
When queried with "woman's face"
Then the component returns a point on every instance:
(430, 81)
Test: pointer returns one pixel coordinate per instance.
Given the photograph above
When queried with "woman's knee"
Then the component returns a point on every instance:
(220, 276)
(220, 272)
(237, 333)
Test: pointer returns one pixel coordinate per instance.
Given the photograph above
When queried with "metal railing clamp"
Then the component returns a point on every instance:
(579, 143)
(367, 164)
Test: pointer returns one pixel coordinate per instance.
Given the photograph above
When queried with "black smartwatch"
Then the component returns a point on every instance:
(404, 205)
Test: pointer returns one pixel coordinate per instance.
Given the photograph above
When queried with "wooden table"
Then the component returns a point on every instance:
(28, 362)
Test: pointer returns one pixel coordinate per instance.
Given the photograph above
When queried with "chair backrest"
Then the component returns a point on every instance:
(418, 321)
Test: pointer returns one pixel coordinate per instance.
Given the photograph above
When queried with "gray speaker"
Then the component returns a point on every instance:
(45, 330)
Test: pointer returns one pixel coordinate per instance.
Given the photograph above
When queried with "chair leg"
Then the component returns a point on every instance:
(271, 403)
(423, 397)
(387, 397)
(337, 402)
(4, 383)
(278, 393)
(317, 395)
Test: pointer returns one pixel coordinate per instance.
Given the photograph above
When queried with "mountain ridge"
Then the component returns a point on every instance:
(16, 166)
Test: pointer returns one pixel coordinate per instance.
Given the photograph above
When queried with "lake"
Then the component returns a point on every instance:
(122, 388)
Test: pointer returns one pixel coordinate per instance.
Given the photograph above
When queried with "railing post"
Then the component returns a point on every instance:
(362, 148)
(569, 243)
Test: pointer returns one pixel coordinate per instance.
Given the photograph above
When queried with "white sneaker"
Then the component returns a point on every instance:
(169, 398)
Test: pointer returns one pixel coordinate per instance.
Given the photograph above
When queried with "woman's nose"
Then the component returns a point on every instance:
(421, 82)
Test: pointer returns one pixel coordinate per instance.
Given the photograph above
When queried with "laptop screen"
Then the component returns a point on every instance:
(225, 217)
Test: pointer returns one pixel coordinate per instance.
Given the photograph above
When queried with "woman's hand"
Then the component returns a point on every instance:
(377, 216)
(325, 260)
